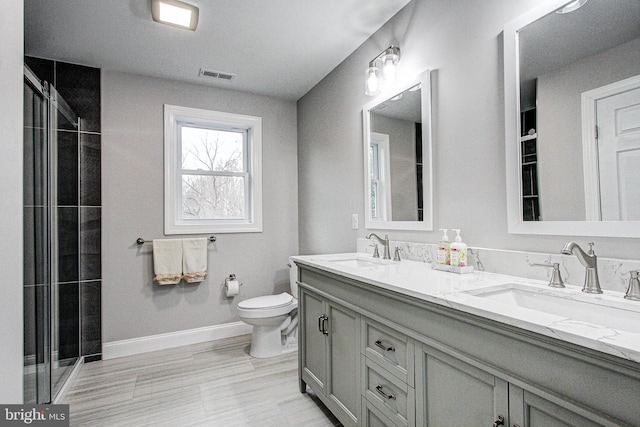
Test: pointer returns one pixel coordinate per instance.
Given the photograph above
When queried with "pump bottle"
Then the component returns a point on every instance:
(443, 248)
(458, 251)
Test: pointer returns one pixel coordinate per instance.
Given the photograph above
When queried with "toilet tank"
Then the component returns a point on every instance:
(293, 278)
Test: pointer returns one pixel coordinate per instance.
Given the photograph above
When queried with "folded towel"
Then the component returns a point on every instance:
(194, 260)
(167, 261)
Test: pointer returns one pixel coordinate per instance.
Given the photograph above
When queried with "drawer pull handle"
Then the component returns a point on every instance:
(499, 421)
(385, 395)
(378, 343)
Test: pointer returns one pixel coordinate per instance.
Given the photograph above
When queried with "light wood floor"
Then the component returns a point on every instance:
(209, 384)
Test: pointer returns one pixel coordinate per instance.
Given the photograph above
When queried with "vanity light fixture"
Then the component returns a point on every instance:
(382, 70)
(570, 7)
(175, 13)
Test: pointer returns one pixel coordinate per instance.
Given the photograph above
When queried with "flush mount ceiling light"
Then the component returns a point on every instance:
(570, 7)
(175, 13)
(382, 70)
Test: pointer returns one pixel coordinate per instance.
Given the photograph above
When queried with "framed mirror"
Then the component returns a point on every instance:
(397, 154)
(572, 119)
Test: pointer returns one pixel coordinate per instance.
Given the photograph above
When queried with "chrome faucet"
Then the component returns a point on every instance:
(384, 242)
(590, 261)
(633, 291)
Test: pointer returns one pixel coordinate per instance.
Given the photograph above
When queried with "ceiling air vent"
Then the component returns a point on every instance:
(217, 75)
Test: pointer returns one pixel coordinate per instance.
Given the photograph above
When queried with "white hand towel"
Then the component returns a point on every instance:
(167, 261)
(194, 260)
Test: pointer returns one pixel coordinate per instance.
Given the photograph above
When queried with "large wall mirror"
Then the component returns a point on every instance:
(572, 111)
(397, 153)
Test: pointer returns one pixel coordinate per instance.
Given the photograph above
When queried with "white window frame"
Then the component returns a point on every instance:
(174, 118)
(381, 142)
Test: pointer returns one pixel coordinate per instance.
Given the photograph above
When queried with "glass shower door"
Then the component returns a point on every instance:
(51, 241)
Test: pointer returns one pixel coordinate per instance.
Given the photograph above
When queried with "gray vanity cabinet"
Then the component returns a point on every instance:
(329, 354)
(379, 358)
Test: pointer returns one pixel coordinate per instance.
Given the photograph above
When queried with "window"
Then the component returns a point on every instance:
(213, 173)
(379, 165)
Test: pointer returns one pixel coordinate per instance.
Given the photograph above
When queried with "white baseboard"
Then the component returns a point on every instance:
(114, 349)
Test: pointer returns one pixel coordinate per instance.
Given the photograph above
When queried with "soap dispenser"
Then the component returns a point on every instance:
(458, 251)
(443, 248)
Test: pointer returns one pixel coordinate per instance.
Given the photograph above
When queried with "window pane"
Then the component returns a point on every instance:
(212, 149)
(213, 197)
(374, 161)
(374, 199)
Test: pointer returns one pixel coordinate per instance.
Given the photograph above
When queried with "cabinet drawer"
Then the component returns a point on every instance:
(373, 417)
(391, 396)
(390, 348)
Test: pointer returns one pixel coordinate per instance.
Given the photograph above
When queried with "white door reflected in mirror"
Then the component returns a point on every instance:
(619, 156)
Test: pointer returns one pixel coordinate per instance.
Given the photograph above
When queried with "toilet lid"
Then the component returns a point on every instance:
(269, 301)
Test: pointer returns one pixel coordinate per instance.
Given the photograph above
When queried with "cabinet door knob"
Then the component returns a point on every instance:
(378, 343)
(386, 396)
(499, 421)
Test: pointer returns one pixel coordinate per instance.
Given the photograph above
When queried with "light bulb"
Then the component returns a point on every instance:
(372, 81)
(390, 60)
(389, 70)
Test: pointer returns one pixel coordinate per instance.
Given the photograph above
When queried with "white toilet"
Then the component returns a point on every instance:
(274, 319)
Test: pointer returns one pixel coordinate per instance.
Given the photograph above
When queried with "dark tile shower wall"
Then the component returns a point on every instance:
(79, 212)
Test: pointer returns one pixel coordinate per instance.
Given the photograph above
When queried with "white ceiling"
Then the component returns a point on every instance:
(275, 47)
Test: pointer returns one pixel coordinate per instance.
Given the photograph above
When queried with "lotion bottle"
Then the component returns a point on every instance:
(458, 251)
(443, 248)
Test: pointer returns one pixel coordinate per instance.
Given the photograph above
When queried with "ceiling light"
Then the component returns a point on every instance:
(382, 70)
(570, 7)
(175, 13)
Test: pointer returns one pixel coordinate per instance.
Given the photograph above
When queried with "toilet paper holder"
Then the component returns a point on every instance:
(231, 292)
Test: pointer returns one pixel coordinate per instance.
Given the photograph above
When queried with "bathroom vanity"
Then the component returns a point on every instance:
(387, 343)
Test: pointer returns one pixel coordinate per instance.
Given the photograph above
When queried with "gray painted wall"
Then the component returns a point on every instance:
(11, 122)
(560, 128)
(461, 40)
(132, 183)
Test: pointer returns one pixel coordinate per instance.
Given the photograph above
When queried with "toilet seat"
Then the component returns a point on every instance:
(267, 306)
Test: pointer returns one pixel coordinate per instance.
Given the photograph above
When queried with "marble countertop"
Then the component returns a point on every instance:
(620, 337)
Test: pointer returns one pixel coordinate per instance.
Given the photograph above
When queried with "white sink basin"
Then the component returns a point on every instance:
(359, 263)
(597, 310)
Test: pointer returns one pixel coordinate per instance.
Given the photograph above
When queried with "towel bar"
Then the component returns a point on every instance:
(141, 241)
